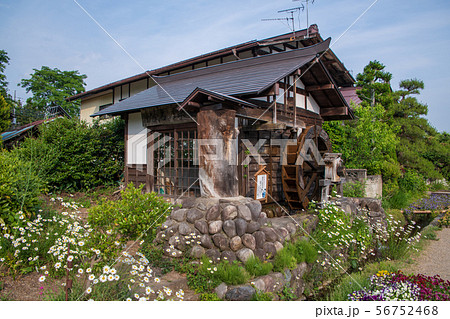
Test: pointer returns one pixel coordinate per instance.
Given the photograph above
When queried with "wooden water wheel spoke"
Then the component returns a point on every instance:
(301, 182)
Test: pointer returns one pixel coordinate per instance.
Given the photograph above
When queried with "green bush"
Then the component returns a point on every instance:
(76, 156)
(135, 214)
(285, 259)
(354, 189)
(412, 182)
(305, 251)
(256, 267)
(399, 200)
(20, 187)
(232, 274)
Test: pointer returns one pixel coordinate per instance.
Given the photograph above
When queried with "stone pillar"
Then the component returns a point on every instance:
(217, 153)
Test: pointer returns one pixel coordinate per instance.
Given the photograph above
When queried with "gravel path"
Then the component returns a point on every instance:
(435, 258)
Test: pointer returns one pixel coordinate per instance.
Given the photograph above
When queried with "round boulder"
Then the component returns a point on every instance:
(271, 235)
(213, 213)
(244, 213)
(229, 228)
(249, 241)
(244, 254)
(252, 227)
(215, 226)
(229, 212)
(260, 239)
(193, 214)
(185, 229)
(179, 215)
(241, 226)
(255, 208)
(221, 241)
(236, 243)
(201, 226)
(197, 251)
(206, 241)
(269, 250)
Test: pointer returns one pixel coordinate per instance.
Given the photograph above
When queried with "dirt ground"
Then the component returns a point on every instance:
(435, 258)
(27, 287)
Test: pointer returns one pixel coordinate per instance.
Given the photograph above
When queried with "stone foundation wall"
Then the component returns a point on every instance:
(229, 228)
(369, 207)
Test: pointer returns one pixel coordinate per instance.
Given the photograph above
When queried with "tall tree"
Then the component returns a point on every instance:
(51, 87)
(374, 83)
(4, 61)
(419, 148)
(5, 114)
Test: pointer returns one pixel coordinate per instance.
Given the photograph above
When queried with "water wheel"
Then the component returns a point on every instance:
(300, 176)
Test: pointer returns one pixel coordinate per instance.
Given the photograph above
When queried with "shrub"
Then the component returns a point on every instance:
(398, 200)
(256, 267)
(134, 215)
(76, 156)
(412, 182)
(285, 259)
(395, 240)
(305, 251)
(354, 189)
(232, 274)
(20, 187)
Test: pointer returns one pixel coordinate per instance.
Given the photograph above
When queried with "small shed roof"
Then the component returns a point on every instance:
(237, 78)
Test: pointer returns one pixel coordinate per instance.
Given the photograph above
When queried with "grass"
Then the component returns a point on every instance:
(262, 296)
(232, 274)
(256, 267)
(285, 259)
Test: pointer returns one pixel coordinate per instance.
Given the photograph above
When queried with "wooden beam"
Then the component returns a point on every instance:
(274, 90)
(320, 87)
(276, 48)
(214, 99)
(299, 90)
(290, 46)
(334, 111)
(270, 127)
(195, 104)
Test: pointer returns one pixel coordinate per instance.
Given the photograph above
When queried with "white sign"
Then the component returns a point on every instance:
(261, 186)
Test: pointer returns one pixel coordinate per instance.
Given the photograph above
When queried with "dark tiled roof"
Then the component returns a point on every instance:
(237, 78)
(349, 94)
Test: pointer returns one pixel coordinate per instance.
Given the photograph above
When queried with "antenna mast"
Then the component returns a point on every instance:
(307, 14)
(291, 18)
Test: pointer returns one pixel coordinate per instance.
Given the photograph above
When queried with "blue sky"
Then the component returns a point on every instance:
(410, 37)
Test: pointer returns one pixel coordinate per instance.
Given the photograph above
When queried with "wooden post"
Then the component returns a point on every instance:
(126, 150)
(217, 162)
(294, 100)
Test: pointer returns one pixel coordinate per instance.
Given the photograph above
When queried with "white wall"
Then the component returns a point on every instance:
(137, 140)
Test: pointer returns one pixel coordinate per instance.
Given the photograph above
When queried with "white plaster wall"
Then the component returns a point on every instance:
(137, 140)
(313, 106)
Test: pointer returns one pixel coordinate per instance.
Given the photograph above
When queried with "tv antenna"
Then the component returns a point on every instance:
(289, 19)
(307, 13)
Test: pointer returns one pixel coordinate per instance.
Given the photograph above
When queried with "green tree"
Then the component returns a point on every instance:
(5, 114)
(420, 148)
(51, 87)
(4, 61)
(374, 83)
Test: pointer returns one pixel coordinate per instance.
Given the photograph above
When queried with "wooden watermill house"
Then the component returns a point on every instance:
(250, 97)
